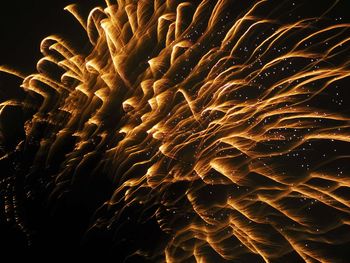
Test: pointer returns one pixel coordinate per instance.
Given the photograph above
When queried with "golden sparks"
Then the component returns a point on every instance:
(208, 117)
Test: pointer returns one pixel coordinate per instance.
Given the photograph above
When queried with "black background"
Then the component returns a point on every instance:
(23, 24)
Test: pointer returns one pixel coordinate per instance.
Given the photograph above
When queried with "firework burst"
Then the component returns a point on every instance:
(200, 120)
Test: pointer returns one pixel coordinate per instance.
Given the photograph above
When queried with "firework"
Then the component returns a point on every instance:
(202, 123)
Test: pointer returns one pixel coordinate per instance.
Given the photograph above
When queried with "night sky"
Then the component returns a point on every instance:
(59, 227)
(25, 23)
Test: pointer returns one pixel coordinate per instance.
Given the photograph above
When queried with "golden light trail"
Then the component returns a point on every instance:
(206, 116)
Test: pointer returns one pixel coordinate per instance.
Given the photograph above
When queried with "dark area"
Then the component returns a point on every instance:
(23, 25)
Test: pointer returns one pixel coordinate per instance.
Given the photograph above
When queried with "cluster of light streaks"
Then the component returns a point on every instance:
(203, 116)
